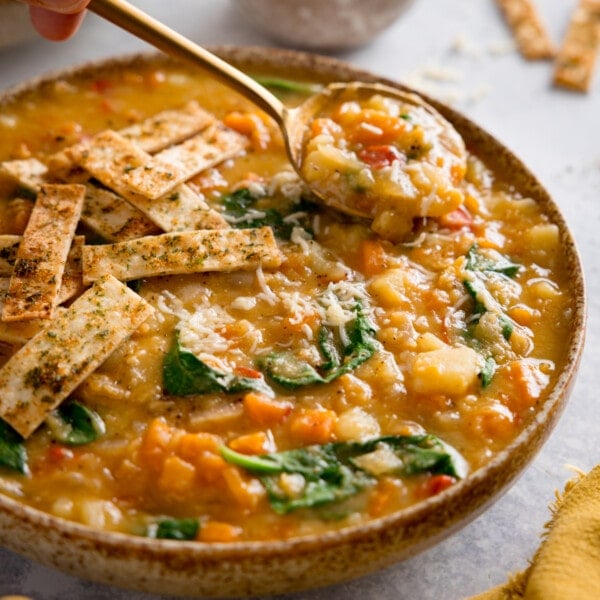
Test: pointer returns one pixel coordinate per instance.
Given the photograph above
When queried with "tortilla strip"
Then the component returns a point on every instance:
(125, 168)
(168, 127)
(28, 173)
(528, 29)
(576, 60)
(42, 254)
(112, 217)
(208, 148)
(9, 244)
(71, 284)
(180, 253)
(18, 332)
(50, 366)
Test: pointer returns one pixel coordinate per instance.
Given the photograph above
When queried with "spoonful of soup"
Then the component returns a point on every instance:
(367, 150)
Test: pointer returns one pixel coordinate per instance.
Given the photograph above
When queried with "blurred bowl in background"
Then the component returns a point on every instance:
(15, 26)
(322, 25)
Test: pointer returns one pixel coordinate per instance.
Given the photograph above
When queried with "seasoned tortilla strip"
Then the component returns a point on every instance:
(528, 29)
(51, 365)
(576, 60)
(28, 173)
(42, 253)
(71, 283)
(112, 217)
(9, 244)
(64, 165)
(212, 146)
(168, 127)
(115, 161)
(18, 332)
(186, 252)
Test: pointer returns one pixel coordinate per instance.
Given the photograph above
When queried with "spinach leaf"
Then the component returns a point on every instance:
(185, 374)
(291, 372)
(240, 204)
(489, 368)
(287, 85)
(12, 449)
(333, 472)
(75, 425)
(175, 529)
(491, 261)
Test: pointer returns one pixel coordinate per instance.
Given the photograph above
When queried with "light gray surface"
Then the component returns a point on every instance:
(556, 133)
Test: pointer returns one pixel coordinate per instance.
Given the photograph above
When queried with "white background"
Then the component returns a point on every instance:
(556, 133)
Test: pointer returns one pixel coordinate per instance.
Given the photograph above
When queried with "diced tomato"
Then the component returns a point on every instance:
(101, 85)
(457, 219)
(57, 454)
(436, 484)
(243, 371)
(381, 156)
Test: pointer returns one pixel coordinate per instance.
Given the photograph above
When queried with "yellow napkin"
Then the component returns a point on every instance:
(567, 564)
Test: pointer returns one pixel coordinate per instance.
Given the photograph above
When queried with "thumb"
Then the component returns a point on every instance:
(65, 7)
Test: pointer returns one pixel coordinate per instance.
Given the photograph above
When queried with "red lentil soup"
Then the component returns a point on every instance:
(360, 376)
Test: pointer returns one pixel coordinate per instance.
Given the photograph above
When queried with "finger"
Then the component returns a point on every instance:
(67, 7)
(54, 26)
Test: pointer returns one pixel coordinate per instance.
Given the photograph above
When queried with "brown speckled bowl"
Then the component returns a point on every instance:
(253, 568)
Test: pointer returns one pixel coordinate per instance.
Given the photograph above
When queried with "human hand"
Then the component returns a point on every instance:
(57, 20)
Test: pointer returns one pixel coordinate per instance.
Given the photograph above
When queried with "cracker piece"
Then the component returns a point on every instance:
(528, 29)
(42, 254)
(27, 173)
(181, 253)
(9, 244)
(43, 373)
(576, 60)
(112, 217)
(168, 127)
(18, 332)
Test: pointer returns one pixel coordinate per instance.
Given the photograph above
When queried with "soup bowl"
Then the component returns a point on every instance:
(245, 568)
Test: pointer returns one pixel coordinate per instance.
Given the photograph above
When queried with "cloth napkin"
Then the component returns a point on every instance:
(566, 566)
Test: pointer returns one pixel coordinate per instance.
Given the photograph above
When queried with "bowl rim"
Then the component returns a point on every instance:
(430, 512)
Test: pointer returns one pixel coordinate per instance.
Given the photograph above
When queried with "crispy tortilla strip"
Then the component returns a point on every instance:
(19, 332)
(64, 165)
(71, 284)
(27, 173)
(576, 60)
(186, 252)
(50, 366)
(115, 161)
(528, 29)
(112, 217)
(9, 244)
(42, 254)
(208, 148)
(168, 127)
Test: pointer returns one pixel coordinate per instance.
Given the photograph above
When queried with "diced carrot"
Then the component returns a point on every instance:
(457, 219)
(376, 127)
(529, 382)
(155, 443)
(155, 78)
(192, 445)
(313, 426)
(324, 125)
(218, 531)
(258, 442)
(435, 485)
(209, 467)
(383, 495)
(177, 476)
(265, 410)
(101, 85)
(457, 172)
(250, 125)
(372, 257)
(57, 454)
(523, 315)
(247, 491)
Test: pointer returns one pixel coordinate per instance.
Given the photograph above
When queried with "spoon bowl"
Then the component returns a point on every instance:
(294, 123)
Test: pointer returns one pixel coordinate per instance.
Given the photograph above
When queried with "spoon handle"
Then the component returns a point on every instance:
(143, 26)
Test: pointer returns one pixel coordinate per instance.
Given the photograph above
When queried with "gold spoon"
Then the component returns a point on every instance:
(293, 122)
